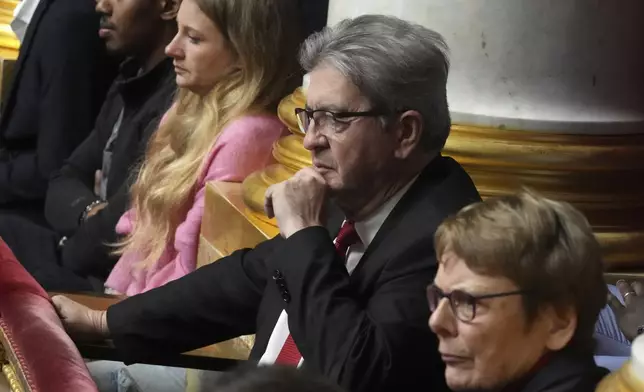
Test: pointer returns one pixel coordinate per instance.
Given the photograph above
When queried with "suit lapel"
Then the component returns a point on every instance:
(416, 191)
(25, 52)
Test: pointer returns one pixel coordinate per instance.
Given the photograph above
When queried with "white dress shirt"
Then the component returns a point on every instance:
(367, 230)
(22, 15)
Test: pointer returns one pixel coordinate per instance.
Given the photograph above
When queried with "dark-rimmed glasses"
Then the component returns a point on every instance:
(326, 119)
(463, 304)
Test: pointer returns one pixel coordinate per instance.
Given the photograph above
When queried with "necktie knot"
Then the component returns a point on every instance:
(346, 237)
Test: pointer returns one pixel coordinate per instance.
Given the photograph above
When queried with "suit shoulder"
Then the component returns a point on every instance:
(448, 186)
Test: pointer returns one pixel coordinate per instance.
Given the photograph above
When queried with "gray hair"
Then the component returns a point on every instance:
(397, 65)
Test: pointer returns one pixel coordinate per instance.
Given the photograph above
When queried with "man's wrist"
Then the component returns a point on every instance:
(89, 208)
(99, 322)
(298, 226)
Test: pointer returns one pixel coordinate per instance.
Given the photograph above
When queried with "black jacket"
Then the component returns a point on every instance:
(313, 15)
(366, 331)
(567, 373)
(145, 98)
(60, 81)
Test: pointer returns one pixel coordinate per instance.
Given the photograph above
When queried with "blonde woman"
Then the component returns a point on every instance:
(234, 60)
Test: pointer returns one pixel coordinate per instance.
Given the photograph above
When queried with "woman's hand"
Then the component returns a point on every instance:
(630, 316)
(81, 321)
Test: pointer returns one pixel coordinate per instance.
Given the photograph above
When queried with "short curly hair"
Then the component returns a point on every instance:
(545, 247)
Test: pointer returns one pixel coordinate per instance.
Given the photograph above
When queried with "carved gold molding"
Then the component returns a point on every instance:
(9, 44)
(622, 380)
(12, 378)
(600, 175)
(286, 109)
(9, 366)
(6, 10)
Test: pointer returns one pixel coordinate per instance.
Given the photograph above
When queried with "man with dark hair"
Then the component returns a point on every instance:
(60, 80)
(89, 194)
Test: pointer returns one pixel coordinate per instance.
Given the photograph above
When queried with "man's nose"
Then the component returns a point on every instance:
(103, 7)
(313, 139)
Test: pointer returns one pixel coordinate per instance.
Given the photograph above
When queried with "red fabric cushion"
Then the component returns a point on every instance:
(47, 357)
(13, 277)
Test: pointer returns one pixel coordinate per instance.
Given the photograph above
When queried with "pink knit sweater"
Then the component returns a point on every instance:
(243, 147)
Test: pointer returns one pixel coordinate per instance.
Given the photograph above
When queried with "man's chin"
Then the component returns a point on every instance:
(332, 179)
(113, 47)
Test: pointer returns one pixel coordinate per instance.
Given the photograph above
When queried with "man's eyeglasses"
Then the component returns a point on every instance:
(329, 120)
(463, 304)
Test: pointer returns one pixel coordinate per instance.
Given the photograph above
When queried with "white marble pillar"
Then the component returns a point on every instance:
(572, 66)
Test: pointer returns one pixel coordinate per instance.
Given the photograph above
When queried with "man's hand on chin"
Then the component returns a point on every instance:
(298, 202)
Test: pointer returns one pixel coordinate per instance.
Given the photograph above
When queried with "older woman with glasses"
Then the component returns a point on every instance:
(517, 293)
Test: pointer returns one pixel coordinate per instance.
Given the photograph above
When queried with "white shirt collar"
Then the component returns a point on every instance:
(22, 15)
(368, 228)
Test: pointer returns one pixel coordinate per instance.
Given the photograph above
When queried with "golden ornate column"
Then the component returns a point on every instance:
(289, 153)
(241, 206)
(9, 43)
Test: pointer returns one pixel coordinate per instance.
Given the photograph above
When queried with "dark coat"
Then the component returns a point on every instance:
(60, 80)
(144, 99)
(567, 373)
(87, 253)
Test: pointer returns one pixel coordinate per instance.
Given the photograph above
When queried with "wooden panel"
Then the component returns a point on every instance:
(613, 277)
(206, 252)
(227, 226)
(92, 301)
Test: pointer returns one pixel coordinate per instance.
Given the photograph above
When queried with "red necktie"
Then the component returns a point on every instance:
(347, 236)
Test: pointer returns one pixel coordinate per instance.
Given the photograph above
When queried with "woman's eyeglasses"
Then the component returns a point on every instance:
(463, 304)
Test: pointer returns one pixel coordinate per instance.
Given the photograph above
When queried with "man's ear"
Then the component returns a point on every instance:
(169, 9)
(409, 132)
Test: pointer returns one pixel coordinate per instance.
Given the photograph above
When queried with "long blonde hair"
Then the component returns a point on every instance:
(263, 35)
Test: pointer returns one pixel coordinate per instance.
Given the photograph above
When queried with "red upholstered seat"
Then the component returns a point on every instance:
(32, 335)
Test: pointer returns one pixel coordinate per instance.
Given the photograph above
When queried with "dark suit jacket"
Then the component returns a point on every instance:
(366, 331)
(144, 99)
(567, 373)
(313, 15)
(60, 81)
